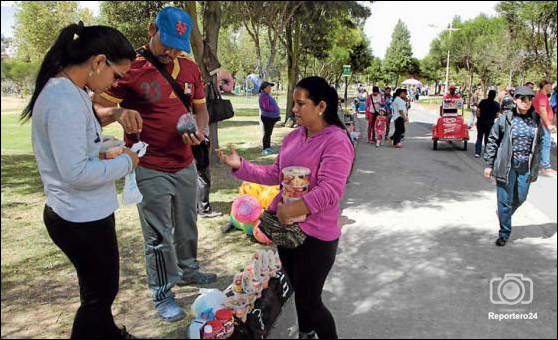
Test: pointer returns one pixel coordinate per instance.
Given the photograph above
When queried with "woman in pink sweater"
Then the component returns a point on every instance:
(321, 144)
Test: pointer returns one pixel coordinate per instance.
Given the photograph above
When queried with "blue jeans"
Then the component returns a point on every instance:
(510, 197)
(545, 149)
(483, 131)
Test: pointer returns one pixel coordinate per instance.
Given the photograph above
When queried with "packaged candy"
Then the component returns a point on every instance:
(187, 124)
(297, 176)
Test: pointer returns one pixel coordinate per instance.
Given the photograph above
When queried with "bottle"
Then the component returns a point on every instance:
(194, 331)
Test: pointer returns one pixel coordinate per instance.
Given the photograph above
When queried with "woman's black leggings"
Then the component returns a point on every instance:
(307, 268)
(268, 124)
(399, 130)
(93, 250)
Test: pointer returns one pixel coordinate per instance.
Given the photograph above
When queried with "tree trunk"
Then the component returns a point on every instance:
(293, 44)
(205, 59)
(290, 69)
(470, 83)
(196, 39)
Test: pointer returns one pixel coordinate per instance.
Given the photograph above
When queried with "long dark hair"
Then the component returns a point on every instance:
(398, 92)
(74, 46)
(319, 90)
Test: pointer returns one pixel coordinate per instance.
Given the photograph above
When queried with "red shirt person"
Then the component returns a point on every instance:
(452, 93)
(167, 176)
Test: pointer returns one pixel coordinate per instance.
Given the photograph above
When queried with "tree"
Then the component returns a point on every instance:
(131, 18)
(399, 53)
(262, 18)
(38, 23)
(346, 13)
(533, 25)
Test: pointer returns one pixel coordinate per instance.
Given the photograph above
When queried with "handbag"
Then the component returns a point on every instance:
(284, 235)
(218, 108)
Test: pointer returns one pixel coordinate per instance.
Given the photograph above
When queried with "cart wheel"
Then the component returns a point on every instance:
(465, 145)
(435, 144)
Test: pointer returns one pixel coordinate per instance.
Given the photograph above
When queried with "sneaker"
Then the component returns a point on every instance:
(378, 144)
(268, 151)
(398, 145)
(197, 278)
(125, 335)
(210, 214)
(477, 155)
(548, 171)
(500, 242)
(169, 310)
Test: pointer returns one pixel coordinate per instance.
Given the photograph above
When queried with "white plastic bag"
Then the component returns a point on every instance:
(207, 303)
(131, 194)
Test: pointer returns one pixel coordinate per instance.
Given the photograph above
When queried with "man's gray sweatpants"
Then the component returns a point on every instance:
(168, 220)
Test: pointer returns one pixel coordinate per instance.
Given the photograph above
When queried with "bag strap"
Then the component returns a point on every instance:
(185, 98)
(214, 90)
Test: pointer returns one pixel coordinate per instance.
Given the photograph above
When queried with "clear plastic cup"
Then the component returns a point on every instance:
(297, 176)
(111, 148)
(238, 305)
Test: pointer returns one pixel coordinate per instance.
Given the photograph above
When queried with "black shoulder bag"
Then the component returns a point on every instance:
(219, 109)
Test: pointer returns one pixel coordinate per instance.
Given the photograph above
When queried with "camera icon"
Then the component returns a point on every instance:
(511, 289)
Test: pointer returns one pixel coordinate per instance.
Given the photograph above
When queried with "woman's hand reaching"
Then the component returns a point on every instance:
(233, 160)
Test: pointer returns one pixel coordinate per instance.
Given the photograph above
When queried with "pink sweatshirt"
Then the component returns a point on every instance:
(329, 155)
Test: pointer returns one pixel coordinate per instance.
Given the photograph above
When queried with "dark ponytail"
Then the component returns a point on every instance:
(74, 46)
(319, 90)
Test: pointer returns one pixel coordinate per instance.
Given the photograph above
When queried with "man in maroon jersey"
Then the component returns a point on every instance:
(144, 103)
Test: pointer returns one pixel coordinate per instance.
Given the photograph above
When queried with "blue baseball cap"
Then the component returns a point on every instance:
(175, 27)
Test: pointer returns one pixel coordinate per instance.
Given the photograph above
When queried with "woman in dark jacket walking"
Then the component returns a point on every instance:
(512, 157)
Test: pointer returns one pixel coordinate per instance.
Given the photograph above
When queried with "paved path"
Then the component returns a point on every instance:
(417, 255)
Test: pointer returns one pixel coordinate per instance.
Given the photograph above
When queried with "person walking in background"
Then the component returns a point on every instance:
(474, 104)
(487, 112)
(513, 158)
(269, 115)
(321, 144)
(543, 108)
(399, 116)
(167, 176)
(79, 186)
(387, 99)
(373, 105)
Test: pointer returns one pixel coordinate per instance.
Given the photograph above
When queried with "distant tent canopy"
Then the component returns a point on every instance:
(253, 83)
(411, 82)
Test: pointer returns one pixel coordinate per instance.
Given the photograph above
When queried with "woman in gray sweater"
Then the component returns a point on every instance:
(80, 189)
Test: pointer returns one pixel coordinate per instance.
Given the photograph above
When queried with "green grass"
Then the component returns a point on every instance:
(38, 281)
